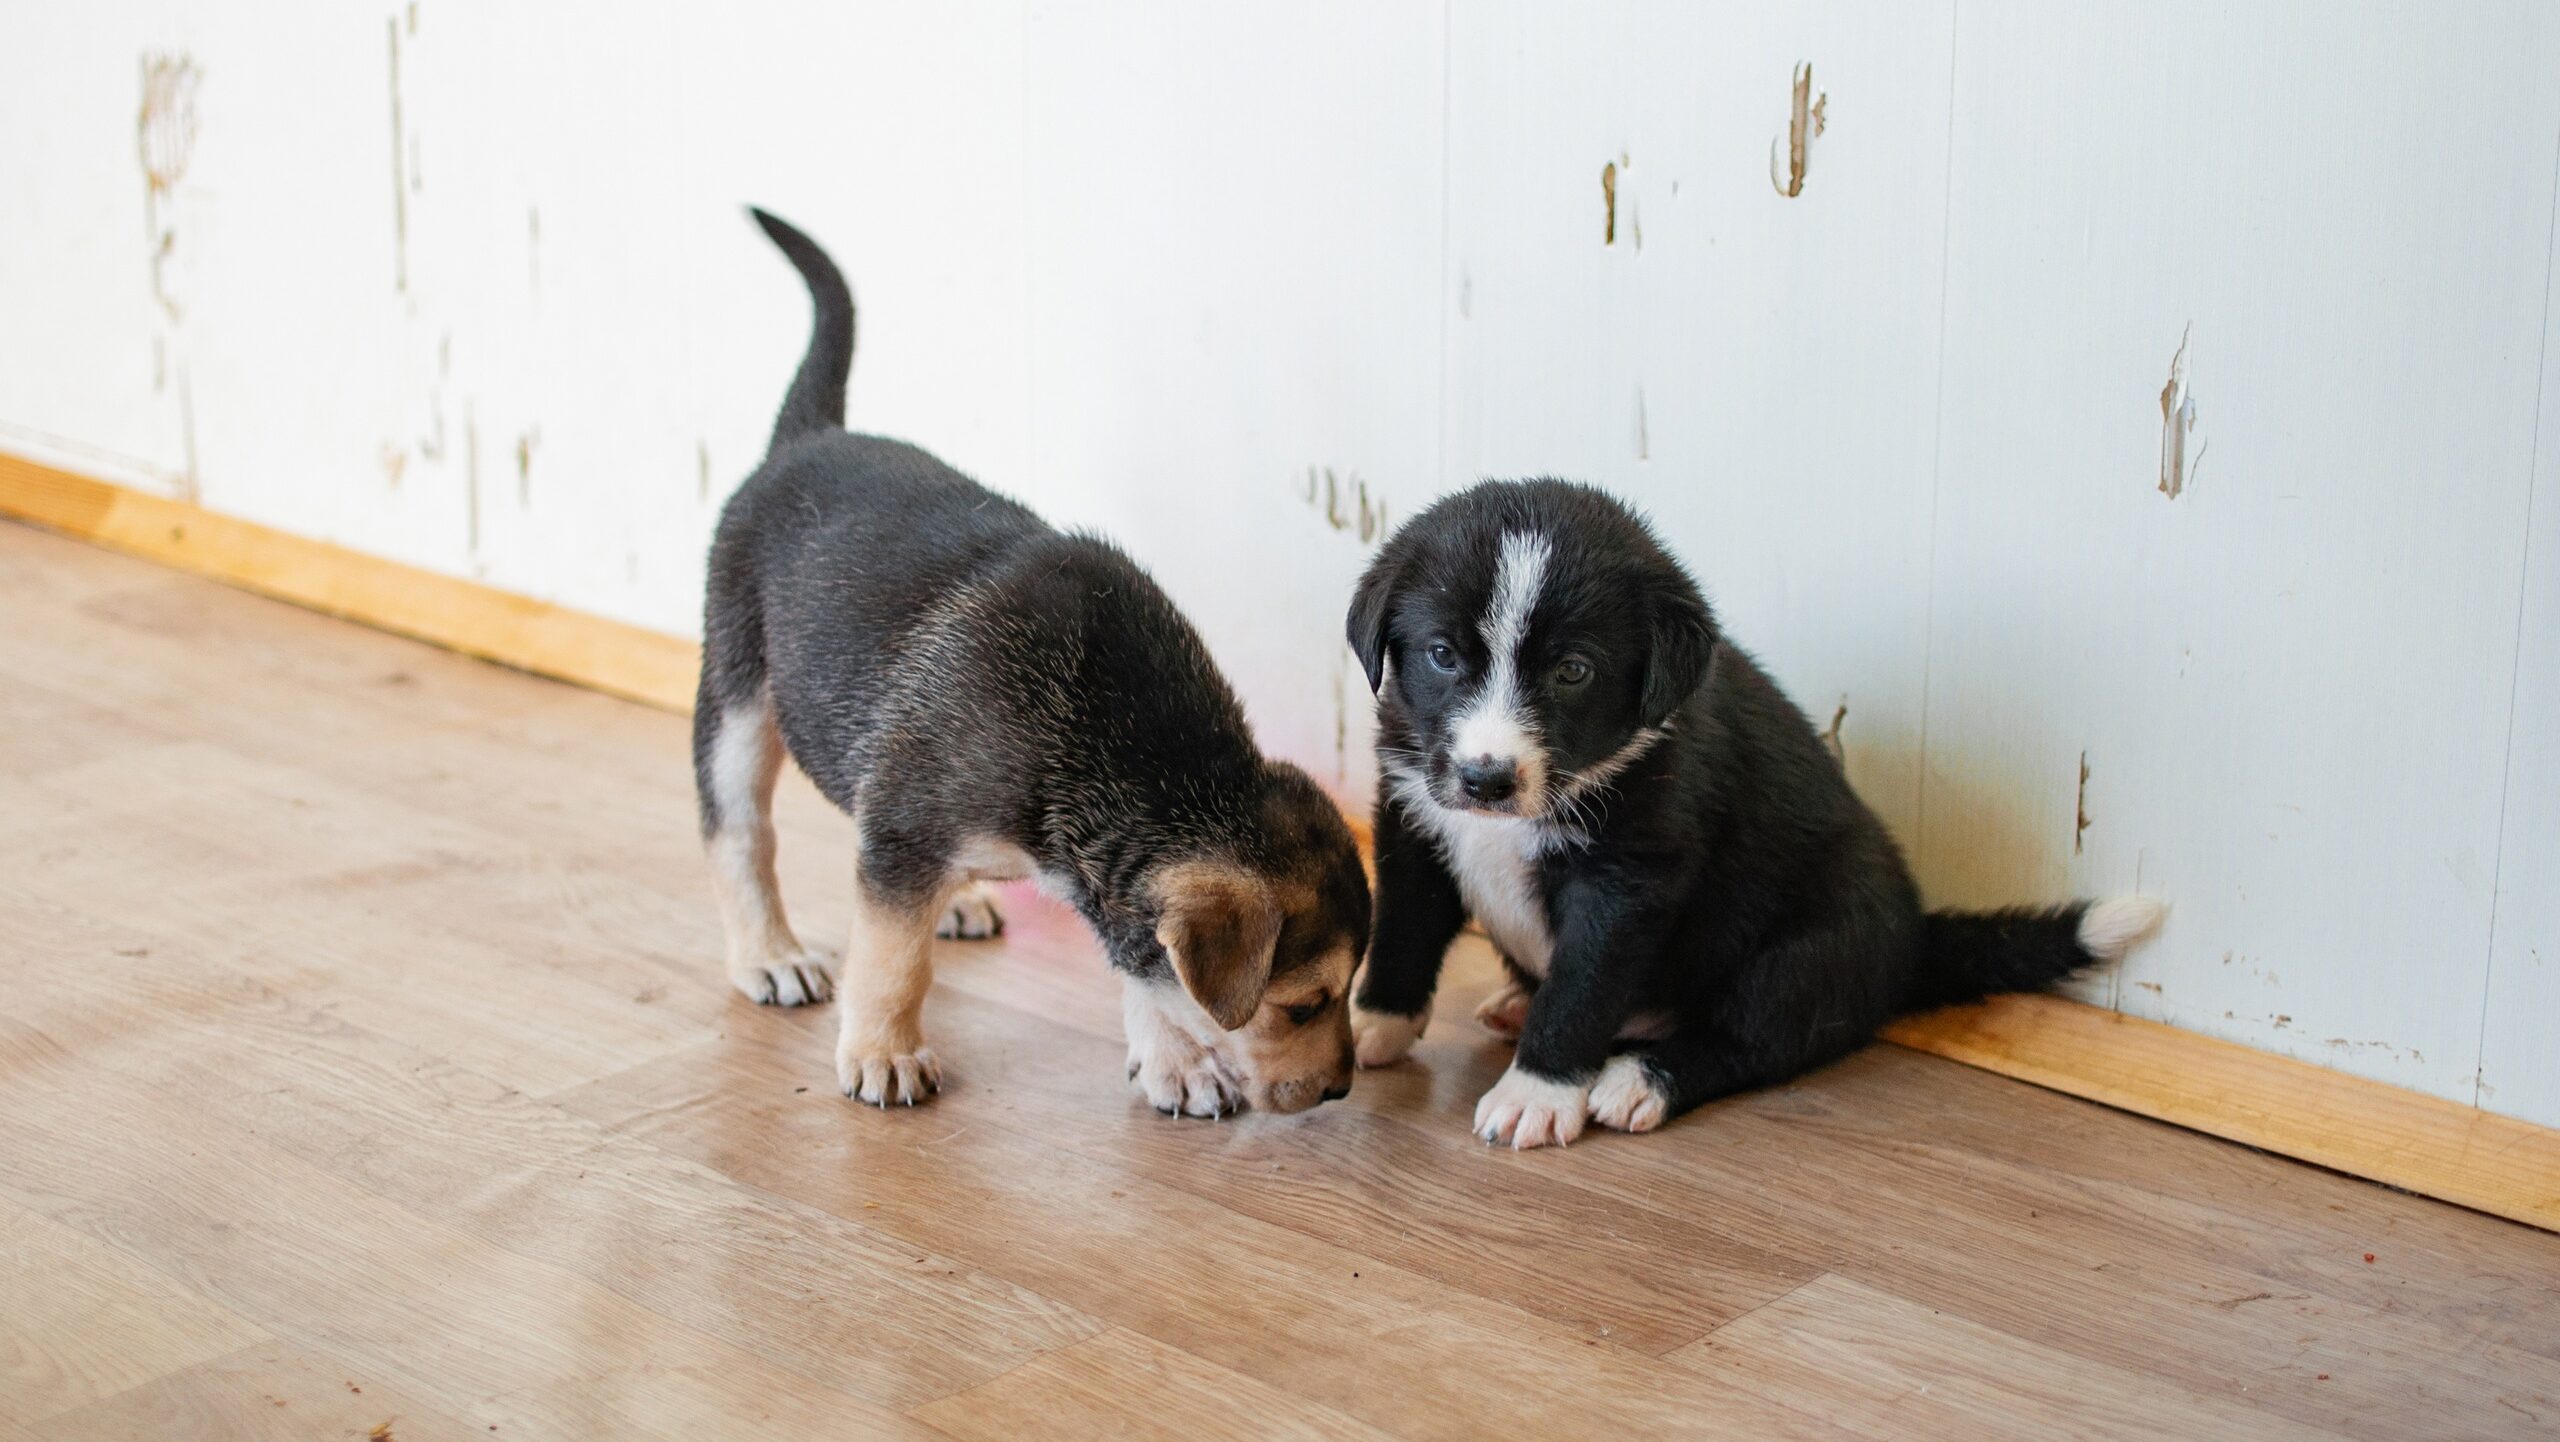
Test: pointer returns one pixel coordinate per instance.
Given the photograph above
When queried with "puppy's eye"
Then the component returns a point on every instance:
(1305, 1011)
(1441, 657)
(1573, 671)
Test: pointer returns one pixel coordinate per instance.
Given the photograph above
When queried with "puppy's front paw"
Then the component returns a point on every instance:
(888, 1078)
(1506, 1011)
(1529, 1111)
(1381, 1038)
(971, 916)
(801, 978)
(1626, 1098)
(1182, 1078)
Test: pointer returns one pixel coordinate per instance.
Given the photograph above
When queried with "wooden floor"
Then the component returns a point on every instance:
(365, 1060)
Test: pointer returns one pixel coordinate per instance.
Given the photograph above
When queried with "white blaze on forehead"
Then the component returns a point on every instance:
(1496, 723)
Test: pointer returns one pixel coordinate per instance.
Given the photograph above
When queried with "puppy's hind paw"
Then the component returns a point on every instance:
(1381, 1038)
(889, 1079)
(799, 980)
(1505, 1011)
(1626, 1098)
(971, 916)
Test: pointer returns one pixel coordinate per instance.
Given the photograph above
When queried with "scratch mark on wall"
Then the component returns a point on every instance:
(1346, 504)
(165, 134)
(701, 470)
(2080, 808)
(471, 476)
(1609, 200)
(1807, 116)
(399, 171)
(526, 443)
(1831, 741)
(2177, 424)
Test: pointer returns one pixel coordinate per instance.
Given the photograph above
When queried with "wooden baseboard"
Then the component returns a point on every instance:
(460, 615)
(2406, 1139)
(2420, 1143)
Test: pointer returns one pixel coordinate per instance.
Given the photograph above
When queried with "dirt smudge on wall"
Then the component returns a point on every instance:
(2080, 808)
(165, 135)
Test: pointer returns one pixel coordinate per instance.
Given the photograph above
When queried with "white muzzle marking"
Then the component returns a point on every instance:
(1496, 725)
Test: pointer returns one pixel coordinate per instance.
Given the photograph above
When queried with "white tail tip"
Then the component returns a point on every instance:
(2109, 929)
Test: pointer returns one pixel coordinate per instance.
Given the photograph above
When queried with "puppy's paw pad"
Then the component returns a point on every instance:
(1524, 1111)
(971, 916)
(1626, 1098)
(1506, 1011)
(1381, 1038)
(800, 980)
(887, 1079)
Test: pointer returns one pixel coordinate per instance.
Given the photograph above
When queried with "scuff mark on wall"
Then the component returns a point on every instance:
(1346, 505)
(399, 171)
(2177, 424)
(701, 470)
(471, 478)
(1831, 734)
(1807, 117)
(1644, 439)
(1609, 199)
(526, 443)
(2080, 808)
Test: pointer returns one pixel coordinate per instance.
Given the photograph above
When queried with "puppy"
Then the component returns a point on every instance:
(1688, 899)
(990, 699)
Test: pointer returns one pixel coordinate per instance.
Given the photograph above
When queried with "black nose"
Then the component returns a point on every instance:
(1485, 779)
(1335, 1094)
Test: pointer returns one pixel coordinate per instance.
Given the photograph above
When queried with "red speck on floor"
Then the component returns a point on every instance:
(2368, 1257)
(2324, 1376)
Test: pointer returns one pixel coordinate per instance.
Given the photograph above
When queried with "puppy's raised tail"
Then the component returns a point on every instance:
(1968, 955)
(816, 398)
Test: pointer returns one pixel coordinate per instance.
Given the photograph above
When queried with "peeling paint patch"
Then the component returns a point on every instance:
(399, 170)
(1807, 117)
(1345, 504)
(1831, 734)
(2080, 808)
(2177, 424)
(165, 134)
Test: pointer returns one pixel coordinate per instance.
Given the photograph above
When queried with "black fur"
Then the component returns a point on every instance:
(1726, 888)
(947, 667)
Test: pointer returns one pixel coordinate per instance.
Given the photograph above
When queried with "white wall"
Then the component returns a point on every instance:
(467, 285)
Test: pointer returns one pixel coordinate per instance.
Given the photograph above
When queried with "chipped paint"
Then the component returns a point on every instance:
(2177, 424)
(399, 171)
(1807, 116)
(2080, 808)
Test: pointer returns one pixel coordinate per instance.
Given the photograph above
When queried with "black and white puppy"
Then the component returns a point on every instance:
(990, 699)
(1687, 896)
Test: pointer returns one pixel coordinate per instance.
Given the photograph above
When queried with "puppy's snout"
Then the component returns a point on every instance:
(1489, 779)
(1337, 1092)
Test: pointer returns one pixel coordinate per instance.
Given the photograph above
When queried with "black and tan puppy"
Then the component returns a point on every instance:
(1688, 898)
(990, 699)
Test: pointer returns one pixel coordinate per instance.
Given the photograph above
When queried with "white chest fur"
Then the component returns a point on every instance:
(1493, 859)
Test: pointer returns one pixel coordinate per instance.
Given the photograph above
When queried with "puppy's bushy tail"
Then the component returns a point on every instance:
(816, 398)
(1968, 955)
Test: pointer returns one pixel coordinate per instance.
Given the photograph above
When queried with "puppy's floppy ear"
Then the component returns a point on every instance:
(1683, 636)
(1220, 924)
(1366, 626)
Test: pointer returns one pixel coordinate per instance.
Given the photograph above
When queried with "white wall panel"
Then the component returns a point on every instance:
(1757, 371)
(2291, 682)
